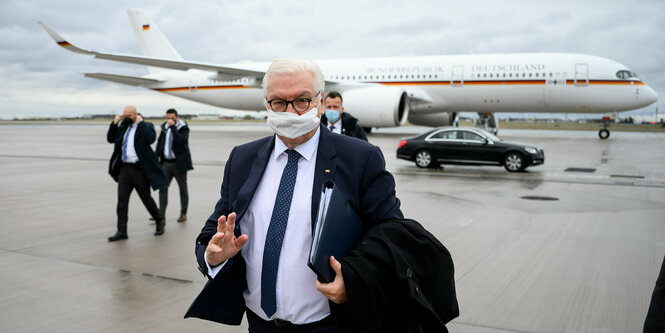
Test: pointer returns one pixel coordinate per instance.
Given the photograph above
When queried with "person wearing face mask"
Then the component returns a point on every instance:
(338, 121)
(254, 246)
(134, 165)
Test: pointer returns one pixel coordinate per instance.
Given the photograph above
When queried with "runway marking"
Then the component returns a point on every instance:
(490, 327)
(566, 179)
(106, 268)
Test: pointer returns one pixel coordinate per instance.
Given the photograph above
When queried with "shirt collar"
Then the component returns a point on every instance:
(305, 150)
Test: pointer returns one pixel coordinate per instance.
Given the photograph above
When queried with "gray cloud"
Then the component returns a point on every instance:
(38, 77)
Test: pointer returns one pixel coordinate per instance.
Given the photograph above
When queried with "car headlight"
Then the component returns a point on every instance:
(531, 150)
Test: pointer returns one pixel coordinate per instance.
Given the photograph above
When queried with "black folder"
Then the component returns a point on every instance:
(336, 231)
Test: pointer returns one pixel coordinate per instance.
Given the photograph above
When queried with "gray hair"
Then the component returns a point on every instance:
(284, 66)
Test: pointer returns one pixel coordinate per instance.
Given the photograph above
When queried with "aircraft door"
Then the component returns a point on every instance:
(194, 83)
(457, 76)
(581, 75)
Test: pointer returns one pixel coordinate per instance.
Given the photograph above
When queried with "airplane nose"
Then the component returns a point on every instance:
(649, 95)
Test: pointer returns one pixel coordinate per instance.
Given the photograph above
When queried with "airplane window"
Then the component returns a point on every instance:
(510, 75)
(430, 76)
(491, 75)
(523, 74)
(536, 75)
(550, 74)
(484, 75)
(544, 75)
(529, 74)
(625, 74)
(418, 76)
(504, 74)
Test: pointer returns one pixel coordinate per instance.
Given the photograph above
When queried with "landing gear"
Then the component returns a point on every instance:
(487, 122)
(604, 133)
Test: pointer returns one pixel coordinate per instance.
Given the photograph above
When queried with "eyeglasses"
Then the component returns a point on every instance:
(299, 104)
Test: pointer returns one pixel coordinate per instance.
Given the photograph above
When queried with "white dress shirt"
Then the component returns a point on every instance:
(337, 127)
(131, 151)
(298, 301)
(168, 139)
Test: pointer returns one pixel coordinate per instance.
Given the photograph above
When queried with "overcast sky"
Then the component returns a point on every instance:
(39, 78)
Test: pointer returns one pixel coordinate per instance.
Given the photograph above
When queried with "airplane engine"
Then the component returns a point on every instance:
(433, 119)
(377, 106)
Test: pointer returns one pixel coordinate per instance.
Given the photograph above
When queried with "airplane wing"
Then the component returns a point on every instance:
(130, 80)
(222, 71)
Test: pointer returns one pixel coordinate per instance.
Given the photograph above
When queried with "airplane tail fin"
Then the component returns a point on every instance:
(150, 38)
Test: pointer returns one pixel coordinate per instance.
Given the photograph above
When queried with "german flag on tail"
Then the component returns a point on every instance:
(146, 27)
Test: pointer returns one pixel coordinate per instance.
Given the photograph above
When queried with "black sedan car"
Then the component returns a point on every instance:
(470, 146)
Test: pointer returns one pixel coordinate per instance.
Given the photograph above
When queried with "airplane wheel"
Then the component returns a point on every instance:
(604, 134)
(424, 159)
(514, 162)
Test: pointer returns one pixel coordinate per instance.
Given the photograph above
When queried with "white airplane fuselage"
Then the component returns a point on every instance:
(385, 92)
(555, 83)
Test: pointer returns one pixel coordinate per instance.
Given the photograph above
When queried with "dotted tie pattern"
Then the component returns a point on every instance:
(275, 236)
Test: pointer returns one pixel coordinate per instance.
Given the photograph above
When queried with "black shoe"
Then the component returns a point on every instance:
(117, 236)
(160, 227)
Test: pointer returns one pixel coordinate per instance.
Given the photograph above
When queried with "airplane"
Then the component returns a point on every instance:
(386, 92)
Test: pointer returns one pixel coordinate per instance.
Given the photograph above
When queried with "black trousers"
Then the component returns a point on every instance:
(171, 170)
(132, 177)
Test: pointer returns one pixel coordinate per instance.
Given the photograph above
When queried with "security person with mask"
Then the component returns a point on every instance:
(134, 165)
(173, 151)
(338, 121)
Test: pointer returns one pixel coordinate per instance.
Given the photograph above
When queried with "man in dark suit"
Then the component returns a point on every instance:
(254, 247)
(338, 121)
(134, 165)
(173, 152)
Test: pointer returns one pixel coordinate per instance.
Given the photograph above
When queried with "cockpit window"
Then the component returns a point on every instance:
(626, 74)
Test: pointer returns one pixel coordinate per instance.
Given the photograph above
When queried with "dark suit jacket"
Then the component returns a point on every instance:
(356, 167)
(183, 159)
(143, 138)
(655, 320)
(350, 126)
(398, 278)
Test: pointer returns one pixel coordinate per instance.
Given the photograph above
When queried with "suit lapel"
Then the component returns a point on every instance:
(324, 169)
(255, 174)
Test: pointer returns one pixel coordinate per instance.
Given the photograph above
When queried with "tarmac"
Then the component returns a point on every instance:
(585, 260)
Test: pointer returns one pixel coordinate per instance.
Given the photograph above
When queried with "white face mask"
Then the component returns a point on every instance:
(291, 125)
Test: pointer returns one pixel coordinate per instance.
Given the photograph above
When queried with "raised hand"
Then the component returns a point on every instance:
(117, 119)
(224, 244)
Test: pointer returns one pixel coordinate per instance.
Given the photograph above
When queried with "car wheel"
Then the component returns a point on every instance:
(424, 159)
(514, 162)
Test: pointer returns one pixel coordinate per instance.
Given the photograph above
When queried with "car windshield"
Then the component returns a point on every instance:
(489, 135)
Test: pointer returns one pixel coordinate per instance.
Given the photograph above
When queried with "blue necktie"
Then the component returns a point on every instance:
(124, 145)
(275, 235)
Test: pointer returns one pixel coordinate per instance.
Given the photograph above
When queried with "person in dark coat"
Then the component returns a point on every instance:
(338, 121)
(254, 246)
(173, 152)
(655, 320)
(398, 278)
(134, 164)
